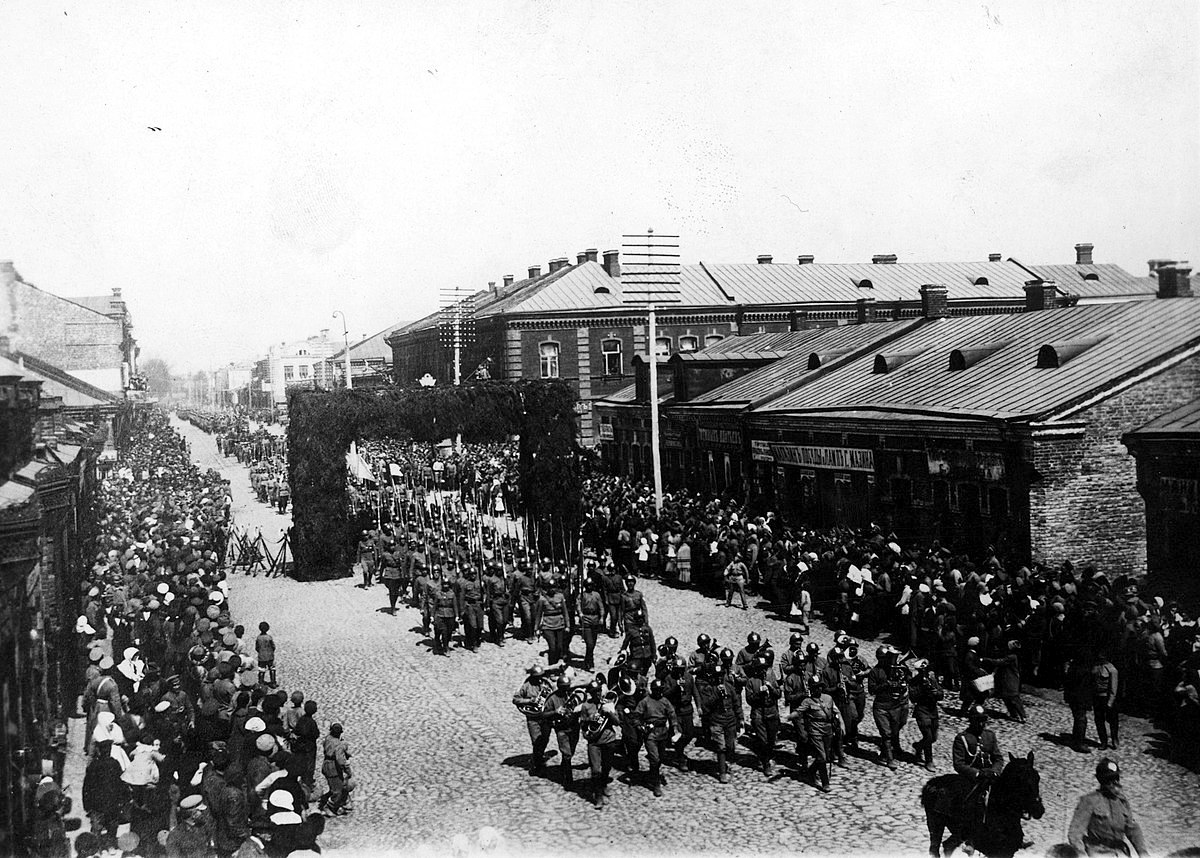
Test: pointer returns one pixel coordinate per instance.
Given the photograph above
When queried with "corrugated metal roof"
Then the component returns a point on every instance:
(779, 342)
(1008, 383)
(822, 341)
(1184, 420)
(839, 282)
(588, 287)
(1108, 280)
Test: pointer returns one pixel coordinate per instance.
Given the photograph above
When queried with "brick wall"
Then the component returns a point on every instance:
(1086, 507)
(61, 332)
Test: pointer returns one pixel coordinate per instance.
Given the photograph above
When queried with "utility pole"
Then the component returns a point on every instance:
(649, 277)
(346, 354)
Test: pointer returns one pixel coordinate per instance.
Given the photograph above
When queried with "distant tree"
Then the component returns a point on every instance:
(157, 374)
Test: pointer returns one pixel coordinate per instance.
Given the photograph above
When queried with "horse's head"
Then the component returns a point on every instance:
(1019, 787)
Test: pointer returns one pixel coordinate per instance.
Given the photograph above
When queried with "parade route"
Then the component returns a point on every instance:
(439, 750)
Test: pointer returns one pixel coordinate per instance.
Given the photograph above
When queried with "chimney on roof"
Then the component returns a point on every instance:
(535, 271)
(492, 286)
(581, 257)
(994, 257)
(883, 259)
(612, 263)
(764, 259)
(1040, 295)
(8, 271)
(866, 310)
(798, 320)
(1175, 281)
(1156, 264)
(508, 280)
(805, 259)
(1083, 253)
(561, 262)
(591, 253)
(933, 301)
(5, 345)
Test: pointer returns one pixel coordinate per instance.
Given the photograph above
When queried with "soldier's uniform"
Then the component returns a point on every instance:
(889, 684)
(763, 693)
(565, 723)
(1103, 820)
(445, 618)
(591, 621)
(659, 722)
(531, 699)
(978, 762)
(721, 709)
(599, 727)
(470, 608)
(495, 593)
(681, 691)
(818, 722)
(522, 593)
(632, 688)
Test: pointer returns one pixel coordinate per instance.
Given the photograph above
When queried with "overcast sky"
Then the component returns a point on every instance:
(362, 156)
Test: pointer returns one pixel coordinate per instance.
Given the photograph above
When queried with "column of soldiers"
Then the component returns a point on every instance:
(713, 697)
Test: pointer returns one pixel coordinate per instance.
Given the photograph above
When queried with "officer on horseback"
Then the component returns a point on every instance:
(978, 762)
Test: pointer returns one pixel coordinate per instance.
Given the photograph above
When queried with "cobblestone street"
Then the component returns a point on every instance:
(439, 749)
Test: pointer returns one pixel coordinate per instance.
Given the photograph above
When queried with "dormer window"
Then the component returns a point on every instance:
(1054, 355)
(865, 284)
(960, 359)
(1091, 275)
(981, 281)
(601, 290)
(885, 363)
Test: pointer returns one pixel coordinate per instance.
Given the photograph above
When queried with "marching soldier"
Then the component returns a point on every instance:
(565, 721)
(925, 692)
(762, 693)
(888, 681)
(631, 688)
(523, 594)
(591, 620)
(495, 593)
(445, 618)
(747, 654)
(721, 710)
(552, 623)
(613, 589)
(659, 721)
(855, 670)
(639, 642)
(1103, 823)
(598, 718)
(681, 691)
(833, 681)
(470, 607)
(633, 605)
(818, 722)
(531, 700)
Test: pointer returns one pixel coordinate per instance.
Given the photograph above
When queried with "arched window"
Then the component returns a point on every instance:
(688, 344)
(548, 354)
(611, 349)
(662, 347)
(712, 339)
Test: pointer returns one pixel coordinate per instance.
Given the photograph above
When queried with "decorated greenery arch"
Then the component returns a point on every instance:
(323, 423)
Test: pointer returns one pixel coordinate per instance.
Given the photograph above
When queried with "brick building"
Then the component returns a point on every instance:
(89, 337)
(1003, 430)
(572, 322)
(1167, 450)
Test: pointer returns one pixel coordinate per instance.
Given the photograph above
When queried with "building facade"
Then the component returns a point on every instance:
(296, 363)
(574, 323)
(89, 337)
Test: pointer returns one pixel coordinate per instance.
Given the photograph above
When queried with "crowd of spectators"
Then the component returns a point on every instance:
(993, 621)
(193, 748)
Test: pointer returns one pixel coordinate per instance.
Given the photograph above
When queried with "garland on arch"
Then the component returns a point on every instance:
(322, 423)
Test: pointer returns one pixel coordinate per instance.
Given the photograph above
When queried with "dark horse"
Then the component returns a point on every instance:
(1015, 795)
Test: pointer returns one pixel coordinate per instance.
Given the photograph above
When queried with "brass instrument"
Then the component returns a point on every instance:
(594, 728)
(538, 705)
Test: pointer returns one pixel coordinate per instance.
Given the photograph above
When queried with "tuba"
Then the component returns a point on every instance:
(594, 728)
(538, 705)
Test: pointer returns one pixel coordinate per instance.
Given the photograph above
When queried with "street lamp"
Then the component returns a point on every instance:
(346, 337)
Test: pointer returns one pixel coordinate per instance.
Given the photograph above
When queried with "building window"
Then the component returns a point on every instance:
(304, 370)
(612, 356)
(548, 354)
(689, 344)
(289, 372)
(712, 339)
(662, 347)
(302, 352)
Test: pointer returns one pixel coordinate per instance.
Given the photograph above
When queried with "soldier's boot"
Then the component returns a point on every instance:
(681, 762)
(656, 780)
(886, 754)
(768, 768)
(566, 774)
(824, 771)
(598, 791)
(722, 767)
